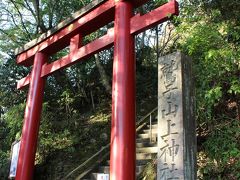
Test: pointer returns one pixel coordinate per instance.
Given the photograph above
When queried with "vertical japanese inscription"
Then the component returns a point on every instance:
(170, 151)
(172, 133)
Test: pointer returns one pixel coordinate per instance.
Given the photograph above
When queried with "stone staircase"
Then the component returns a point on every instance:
(146, 149)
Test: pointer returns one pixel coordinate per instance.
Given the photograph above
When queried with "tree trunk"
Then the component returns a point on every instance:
(93, 105)
(40, 22)
(63, 80)
(103, 75)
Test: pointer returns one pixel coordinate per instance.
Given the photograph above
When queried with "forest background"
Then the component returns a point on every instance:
(77, 102)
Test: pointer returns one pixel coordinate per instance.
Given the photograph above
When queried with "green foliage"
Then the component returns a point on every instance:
(10, 129)
(209, 34)
(223, 151)
(216, 60)
(9, 73)
(213, 95)
(235, 86)
(83, 136)
(149, 172)
(14, 119)
(4, 164)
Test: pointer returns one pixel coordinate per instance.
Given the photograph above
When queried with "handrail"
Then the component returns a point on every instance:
(144, 117)
(140, 124)
(143, 120)
(88, 160)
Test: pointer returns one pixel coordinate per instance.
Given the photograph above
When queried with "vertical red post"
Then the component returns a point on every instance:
(75, 44)
(123, 148)
(32, 115)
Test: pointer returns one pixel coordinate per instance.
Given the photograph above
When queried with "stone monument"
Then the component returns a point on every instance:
(176, 123)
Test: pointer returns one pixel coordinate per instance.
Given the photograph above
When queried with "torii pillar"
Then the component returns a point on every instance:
(31, 120)
(123, 148)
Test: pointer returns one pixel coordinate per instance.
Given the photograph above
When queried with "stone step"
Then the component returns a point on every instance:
(146, 144)
(145, 156)
(147, 131)
(146, 140)
(147, 135)
(94, 176)
(141, 140)
(138, 162)
(147, 150)
(139, 169)
(154, 126)
(142, 159)
(106, 169)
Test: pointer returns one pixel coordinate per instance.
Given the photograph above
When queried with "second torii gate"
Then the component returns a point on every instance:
(70, 33)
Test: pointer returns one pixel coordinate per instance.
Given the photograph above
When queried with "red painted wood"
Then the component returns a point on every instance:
(81, 54)
(154, 17)
(75, 44)
(138, 24)
(31, 121)
(23, 82)
(87, 24)
(123, 146)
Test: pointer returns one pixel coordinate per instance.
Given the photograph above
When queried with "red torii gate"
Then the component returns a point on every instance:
(36, 53)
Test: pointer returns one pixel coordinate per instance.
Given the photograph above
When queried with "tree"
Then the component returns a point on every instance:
(209, 33)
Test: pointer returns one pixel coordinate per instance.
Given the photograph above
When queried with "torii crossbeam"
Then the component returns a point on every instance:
(70, 33)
